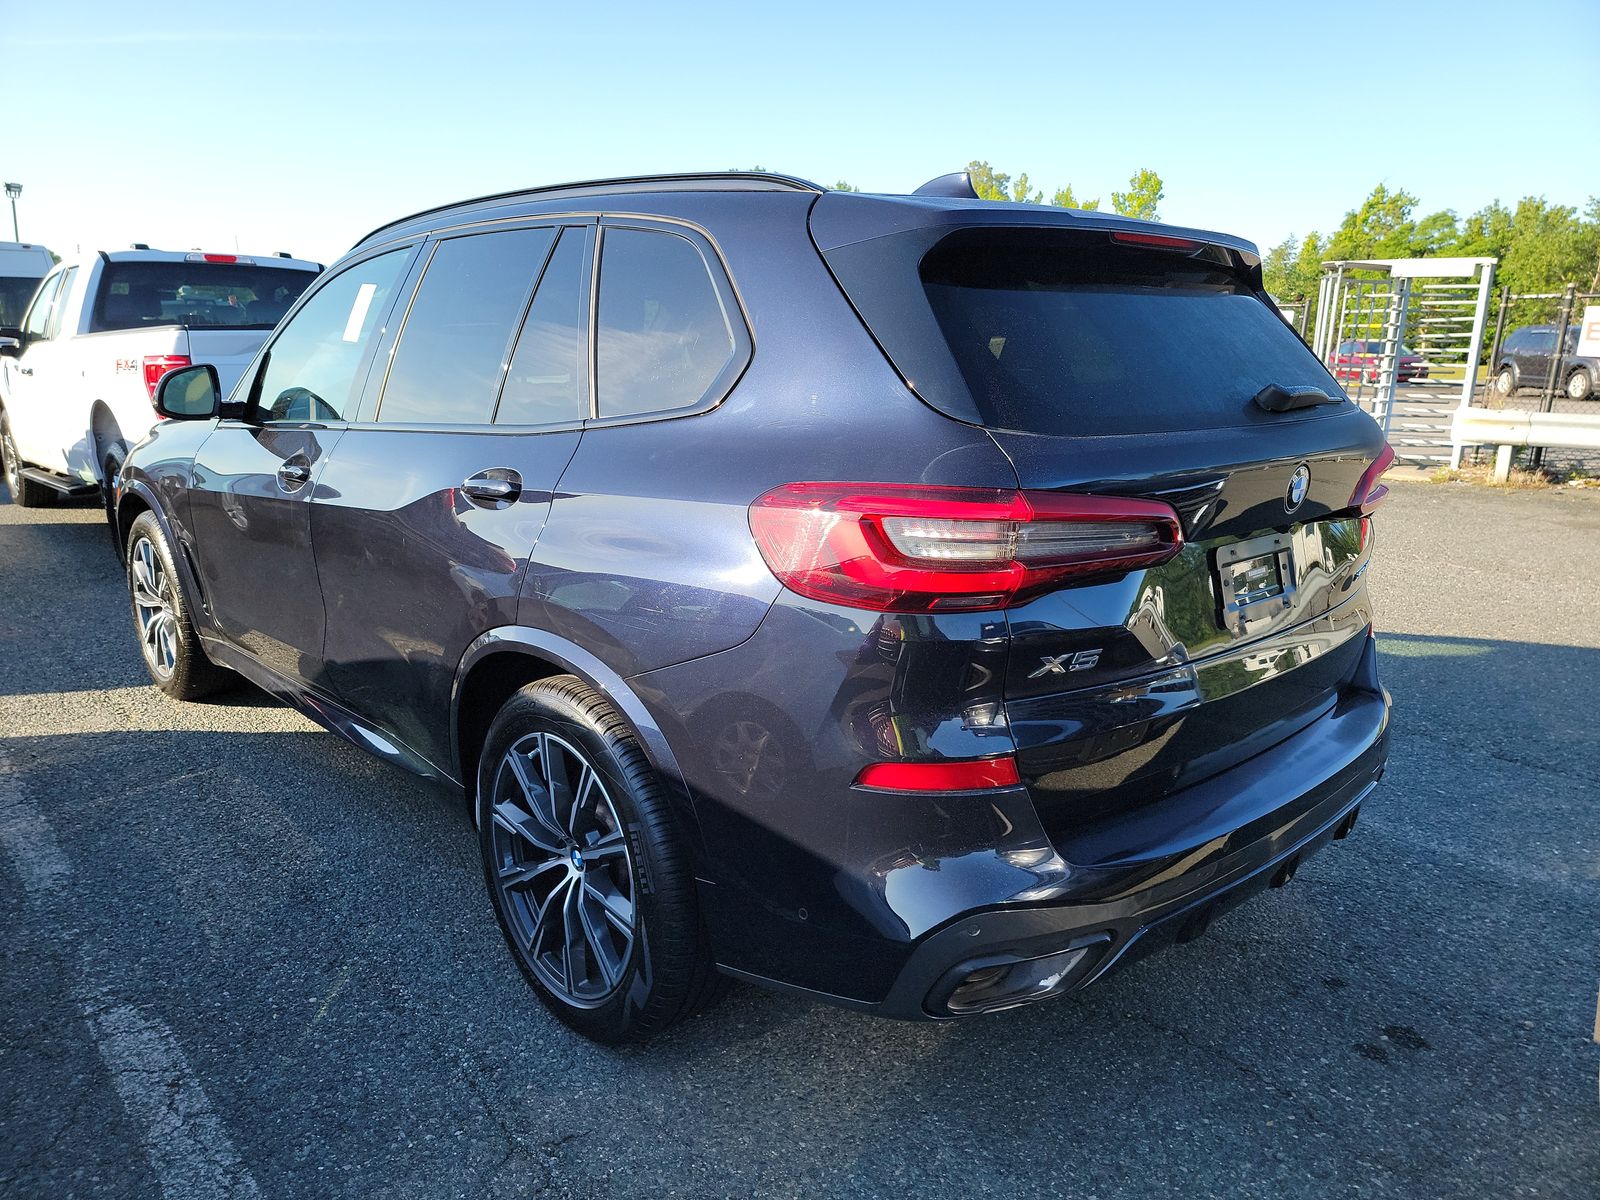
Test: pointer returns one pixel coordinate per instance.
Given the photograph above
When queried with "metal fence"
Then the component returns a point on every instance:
(1549, 378)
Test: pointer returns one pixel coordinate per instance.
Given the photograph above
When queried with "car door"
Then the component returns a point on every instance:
(1533, 356)
(38, 383)
(431, 504)
(255, 475)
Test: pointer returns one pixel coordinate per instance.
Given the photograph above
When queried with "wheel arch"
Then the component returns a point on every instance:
(108, 438)
(503, 660)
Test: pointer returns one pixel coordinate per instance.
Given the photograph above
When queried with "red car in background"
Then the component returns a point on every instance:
(1362, 360)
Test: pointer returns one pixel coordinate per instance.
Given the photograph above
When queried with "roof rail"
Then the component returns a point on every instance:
(759, 181)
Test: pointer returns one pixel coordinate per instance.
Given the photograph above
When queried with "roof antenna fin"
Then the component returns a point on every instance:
(956, 185)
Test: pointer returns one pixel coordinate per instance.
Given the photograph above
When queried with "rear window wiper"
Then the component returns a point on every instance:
(1275, 398)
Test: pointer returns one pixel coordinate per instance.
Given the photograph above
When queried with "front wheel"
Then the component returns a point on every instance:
(171, 648)
(585, 868)
(1579, 385)
(1505, 382)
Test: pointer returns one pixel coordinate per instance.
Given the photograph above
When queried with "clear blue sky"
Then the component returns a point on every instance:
(303, 125)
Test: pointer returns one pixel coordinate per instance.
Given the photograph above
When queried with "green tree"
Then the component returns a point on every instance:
(1381, 228)
(1144, 195)
(842, 186)
(1065, 199)
(997, 185)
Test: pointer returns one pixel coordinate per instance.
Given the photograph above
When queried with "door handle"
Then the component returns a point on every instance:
(498, 485)
(294, 474)
(24, 370)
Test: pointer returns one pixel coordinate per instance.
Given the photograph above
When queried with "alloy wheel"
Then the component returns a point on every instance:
(563, 869)
(1578, 386)
(153, 608)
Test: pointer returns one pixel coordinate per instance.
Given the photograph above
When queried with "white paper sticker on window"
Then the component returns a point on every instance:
(358, 312)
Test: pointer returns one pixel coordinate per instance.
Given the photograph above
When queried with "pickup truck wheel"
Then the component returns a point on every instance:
(25, 493)
(172, 652)
(1579, 385)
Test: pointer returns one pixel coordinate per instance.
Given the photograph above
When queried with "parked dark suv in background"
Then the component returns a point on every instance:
(917, 603)
(1525, 361)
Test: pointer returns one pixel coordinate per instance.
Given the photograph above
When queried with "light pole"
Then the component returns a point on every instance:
(14, 190)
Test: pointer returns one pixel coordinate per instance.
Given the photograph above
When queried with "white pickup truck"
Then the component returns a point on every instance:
(78, 377)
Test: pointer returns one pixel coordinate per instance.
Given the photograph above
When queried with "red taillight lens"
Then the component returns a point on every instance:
(967, 776)
(909, 548)
(157, 365)
(1369, 492)
(1160, 241)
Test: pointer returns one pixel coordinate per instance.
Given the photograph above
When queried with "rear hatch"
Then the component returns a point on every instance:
(1110, 358)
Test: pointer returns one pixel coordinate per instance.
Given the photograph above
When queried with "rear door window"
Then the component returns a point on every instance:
(666, 335)
(547, 380)
(452, 353)
(1062, 334)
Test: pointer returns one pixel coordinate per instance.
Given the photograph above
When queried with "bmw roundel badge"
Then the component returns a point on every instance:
(1299, 485)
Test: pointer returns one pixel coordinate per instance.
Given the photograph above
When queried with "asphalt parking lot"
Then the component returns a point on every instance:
(244, 959)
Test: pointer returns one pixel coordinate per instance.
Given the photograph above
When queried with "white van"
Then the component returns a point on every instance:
(21, 267)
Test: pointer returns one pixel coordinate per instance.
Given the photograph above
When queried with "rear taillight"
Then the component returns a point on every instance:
(157, 365)
(1369, 493)
(910, 548)
(969, 775)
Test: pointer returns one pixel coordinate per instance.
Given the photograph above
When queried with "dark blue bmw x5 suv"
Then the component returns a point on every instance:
(918, 603)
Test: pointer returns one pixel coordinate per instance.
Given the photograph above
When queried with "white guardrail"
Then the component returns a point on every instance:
(1508, 428)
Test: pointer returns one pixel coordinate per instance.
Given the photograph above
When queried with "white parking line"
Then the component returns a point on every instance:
(29, 841)
(184, 1139)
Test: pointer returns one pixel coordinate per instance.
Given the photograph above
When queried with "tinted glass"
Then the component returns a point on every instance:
(452, 350)
(44, 307)
(15, 292)
(310, 372)
(663, 336)
(224, 295)
(546, 379)
(1075, 335)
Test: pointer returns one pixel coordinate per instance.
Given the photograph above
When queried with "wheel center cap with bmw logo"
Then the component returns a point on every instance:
(1299, 485)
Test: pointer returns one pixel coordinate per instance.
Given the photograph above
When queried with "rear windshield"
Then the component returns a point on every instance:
(1064, 333)
(14, 296)
(220, 295)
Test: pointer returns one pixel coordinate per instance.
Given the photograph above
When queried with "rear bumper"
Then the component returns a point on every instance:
(1118, 930)
(1156, 878)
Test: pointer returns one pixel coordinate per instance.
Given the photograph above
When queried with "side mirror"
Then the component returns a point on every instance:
(189, 394)
(10, 341)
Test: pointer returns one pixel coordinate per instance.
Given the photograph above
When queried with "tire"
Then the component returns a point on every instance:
(167, 640)
(25, 493)
(1505, 382)
(586, 869)
(108, 499)
(1579, 385)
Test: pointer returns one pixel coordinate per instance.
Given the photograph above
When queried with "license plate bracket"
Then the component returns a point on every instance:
(1256, 581)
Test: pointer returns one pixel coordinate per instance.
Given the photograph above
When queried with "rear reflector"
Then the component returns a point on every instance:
(1369, 493)
(910, 548)
(157, 365)
(967, 776)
